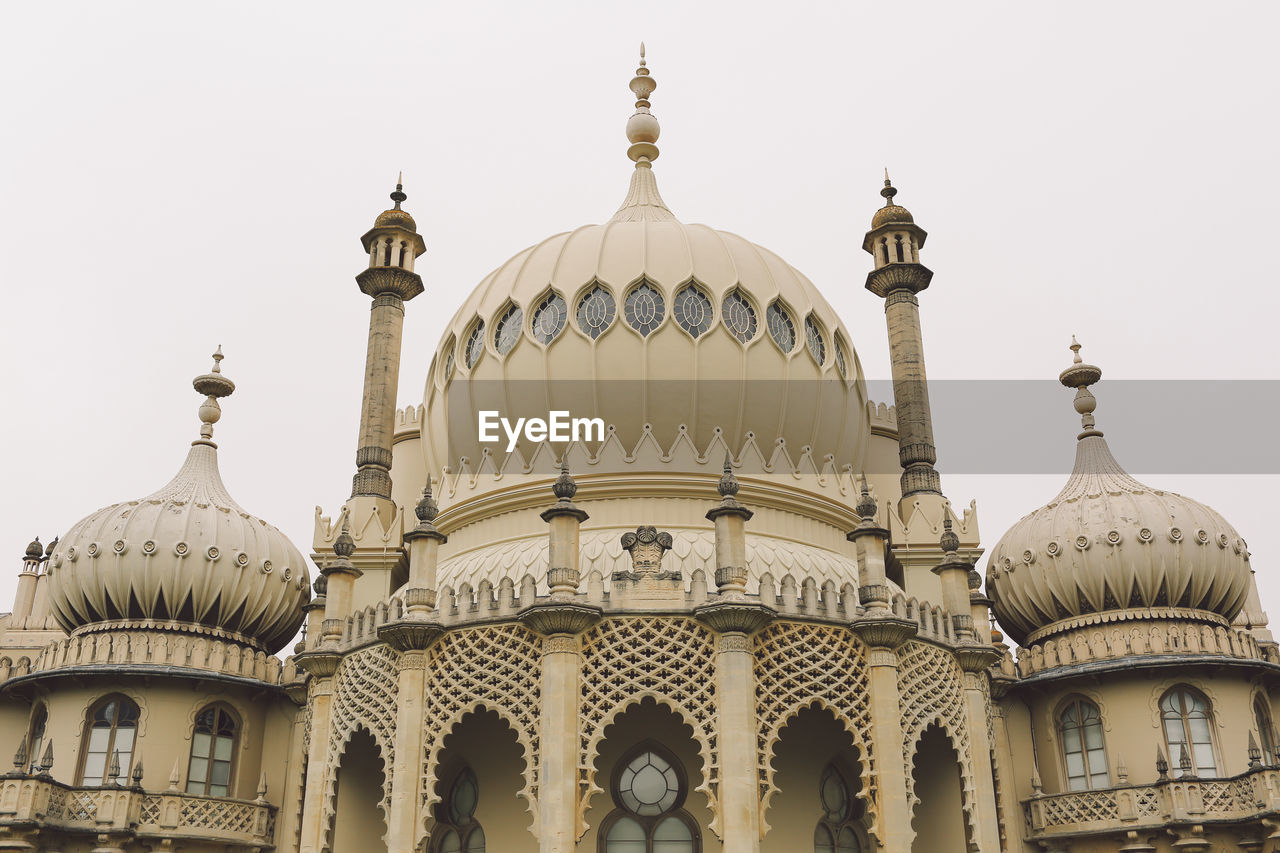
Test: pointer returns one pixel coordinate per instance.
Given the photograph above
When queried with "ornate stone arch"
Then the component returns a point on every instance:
(931, 692)
(364, 697)
(498, 668)
(617, 672)
(329, 810)
(793, 666)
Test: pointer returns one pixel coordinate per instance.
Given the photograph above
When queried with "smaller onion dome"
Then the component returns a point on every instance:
(890, 214)
(34, 549)
(186, 557)
(1110, 544)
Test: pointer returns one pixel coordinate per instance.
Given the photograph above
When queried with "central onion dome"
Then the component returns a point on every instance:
(659, 328)
(184, 558)
(1109, 548)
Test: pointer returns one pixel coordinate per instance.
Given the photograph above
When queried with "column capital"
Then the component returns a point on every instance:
(318, 664)
(884, 630)
(975, 657)
(407, 635)
(729, 617)
(560, 617)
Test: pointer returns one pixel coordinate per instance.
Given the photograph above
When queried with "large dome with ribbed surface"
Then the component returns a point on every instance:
(184, 557)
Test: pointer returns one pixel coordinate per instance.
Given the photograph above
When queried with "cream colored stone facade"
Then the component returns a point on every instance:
(746, 621)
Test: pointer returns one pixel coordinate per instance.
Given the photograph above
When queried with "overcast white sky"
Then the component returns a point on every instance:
(177, 176)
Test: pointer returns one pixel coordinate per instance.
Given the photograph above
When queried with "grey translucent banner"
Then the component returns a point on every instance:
(979, 426)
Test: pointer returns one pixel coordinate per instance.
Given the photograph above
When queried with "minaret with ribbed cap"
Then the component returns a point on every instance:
(393, 244)
(895, 242)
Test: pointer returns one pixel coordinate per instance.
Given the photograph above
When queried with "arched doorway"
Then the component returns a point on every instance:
(650, 768)
(358, 822)
(819, 804)
(938, 817)
(479, 775)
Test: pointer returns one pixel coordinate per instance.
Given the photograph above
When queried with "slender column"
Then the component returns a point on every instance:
(894, 820)
(975, 659)
(406, 773)
(1004, 760)
(916, 451)
(378, 405)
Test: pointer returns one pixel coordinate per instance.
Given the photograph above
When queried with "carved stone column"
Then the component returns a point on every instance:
(321, 666)
(560, 622)
(1004, 757)
(412, 638)
(884, 634)
(975, 659)
(735, 621)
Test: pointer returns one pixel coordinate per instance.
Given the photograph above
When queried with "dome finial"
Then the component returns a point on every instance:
(889, 190)
(399, 195)
(213, 385)
(1080, 376)
(642, 127)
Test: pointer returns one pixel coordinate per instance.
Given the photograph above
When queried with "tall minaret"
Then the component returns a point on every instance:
(393, 244)
(895, 241)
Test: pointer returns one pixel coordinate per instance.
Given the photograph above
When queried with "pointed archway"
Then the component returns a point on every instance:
(358, 821)
(938, 817)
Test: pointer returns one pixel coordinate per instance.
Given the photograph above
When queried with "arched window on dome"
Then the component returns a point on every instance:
(457, 830)
(739, 316)
(781, 327)
(110, 731)
(213, 747)
(1188, 728)
(35, 735)
(644, 308)
(840, 362)
(596, 310)
(1266, 729)
(1083, 751)
(549, 318)
(507, 331)
(649, 789)
(837, 831)
(449, 360)
(475, 344)
(815, 340)
(692, 310)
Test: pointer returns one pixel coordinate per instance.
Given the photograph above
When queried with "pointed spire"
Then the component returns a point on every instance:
(262, 786)
(20, 757)
(565, 487)
(1122, 772)
(427, 508)
(46, 760)
(1184, 760)
(1080, 376)
(137, 772)
(889, 190)
(175, 776)
(213, 385)
(1255, 753)
(867, 507)
(399, 195)
(642, 127)
(728, 485)
(1162, 764)
(113, 771)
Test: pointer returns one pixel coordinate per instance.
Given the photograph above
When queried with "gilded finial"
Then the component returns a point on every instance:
(213, 385)
(399, 195)
(642, 127)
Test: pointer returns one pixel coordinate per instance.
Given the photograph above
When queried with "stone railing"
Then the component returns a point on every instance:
(155, 648)
(1101, 642)
(1135, 807)
(129, 812)
(795, 599)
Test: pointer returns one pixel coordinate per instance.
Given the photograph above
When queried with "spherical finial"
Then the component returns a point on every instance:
(213, 385)
(565, 487)
(642, 127)
(427, 509)
(344, 546)
(1080, 376)
(399, 195)
(949, 541)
